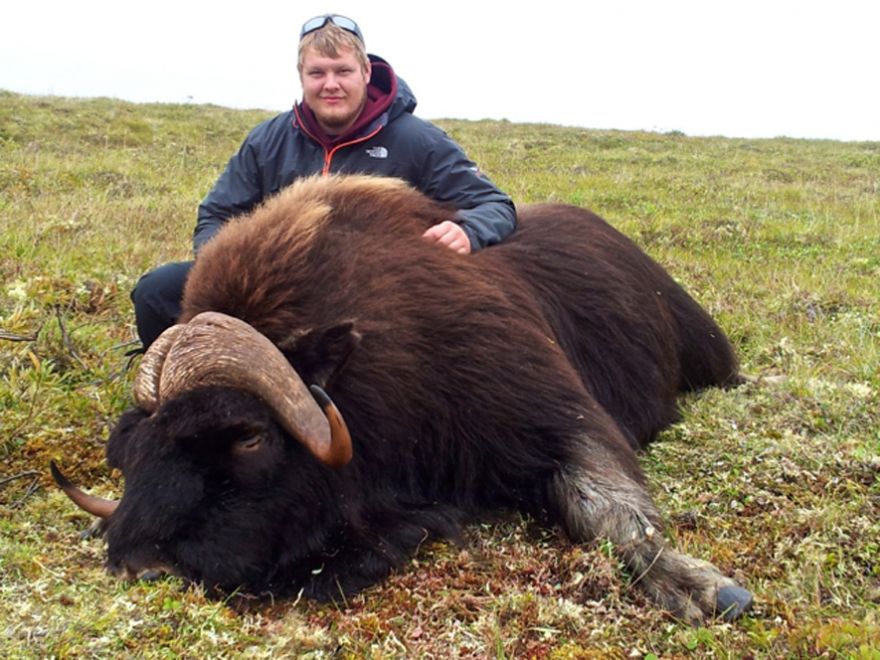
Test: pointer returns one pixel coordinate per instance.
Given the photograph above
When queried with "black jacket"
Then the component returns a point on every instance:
(397, 144)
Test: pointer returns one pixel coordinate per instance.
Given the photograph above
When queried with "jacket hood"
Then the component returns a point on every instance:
(388, 97)
(384, 78)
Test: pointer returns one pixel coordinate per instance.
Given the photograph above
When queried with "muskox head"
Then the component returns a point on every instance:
(225, 433)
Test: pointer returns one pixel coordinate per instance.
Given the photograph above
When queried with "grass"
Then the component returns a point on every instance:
(776, 483)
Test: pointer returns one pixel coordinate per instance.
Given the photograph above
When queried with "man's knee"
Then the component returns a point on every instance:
(157, 297)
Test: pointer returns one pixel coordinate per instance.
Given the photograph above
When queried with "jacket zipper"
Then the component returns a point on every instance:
(328, 155)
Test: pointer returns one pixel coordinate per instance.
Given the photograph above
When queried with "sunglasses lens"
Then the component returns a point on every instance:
(345, 23)
(312, 24)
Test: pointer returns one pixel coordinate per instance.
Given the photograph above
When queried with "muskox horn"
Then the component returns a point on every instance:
(216, 349)
(341, 446)
(149, 374)
(97, 506)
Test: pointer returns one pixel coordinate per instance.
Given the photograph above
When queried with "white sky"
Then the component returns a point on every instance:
(745, 68)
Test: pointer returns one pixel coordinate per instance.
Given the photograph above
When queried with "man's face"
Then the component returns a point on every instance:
(335, 88)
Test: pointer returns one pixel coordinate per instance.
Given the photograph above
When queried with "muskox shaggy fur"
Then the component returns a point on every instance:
(521, 377)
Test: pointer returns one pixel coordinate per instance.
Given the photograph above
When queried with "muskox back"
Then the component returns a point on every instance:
(635, 335)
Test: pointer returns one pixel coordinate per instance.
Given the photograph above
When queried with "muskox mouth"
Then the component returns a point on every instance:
(131, 573)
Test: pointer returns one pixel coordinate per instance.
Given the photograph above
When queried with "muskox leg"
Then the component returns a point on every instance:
(603, 501)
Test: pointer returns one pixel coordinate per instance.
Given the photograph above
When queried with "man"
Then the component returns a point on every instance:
(355, 116)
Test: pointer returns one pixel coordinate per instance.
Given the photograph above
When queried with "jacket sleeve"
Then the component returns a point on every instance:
(237, 191)
(486, 214)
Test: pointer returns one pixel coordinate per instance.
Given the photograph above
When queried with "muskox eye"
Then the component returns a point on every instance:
(250, 443)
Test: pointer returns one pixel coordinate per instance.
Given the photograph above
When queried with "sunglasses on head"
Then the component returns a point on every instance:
(344, 22)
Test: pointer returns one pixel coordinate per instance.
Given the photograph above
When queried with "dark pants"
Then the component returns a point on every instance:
(157, 297)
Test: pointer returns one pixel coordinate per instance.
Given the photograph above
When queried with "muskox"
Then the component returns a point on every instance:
(338, 390)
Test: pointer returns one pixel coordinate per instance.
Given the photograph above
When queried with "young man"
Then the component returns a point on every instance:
(355, 117)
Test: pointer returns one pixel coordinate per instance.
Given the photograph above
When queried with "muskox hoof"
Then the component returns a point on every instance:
(694, 591)
(732, 601)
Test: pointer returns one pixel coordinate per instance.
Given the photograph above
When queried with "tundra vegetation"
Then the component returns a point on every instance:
(775, 482)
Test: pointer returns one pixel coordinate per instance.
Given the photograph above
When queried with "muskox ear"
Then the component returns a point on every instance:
(318, 355)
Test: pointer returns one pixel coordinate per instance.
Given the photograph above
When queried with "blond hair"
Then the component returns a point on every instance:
(328, 40)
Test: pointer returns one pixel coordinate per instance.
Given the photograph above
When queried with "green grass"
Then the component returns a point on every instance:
(775, 483)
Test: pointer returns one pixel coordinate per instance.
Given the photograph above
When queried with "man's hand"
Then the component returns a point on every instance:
(449, 234)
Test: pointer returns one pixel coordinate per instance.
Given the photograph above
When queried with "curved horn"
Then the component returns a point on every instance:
(217, 349)
(340, 439)
(97, 506)
(149, 374)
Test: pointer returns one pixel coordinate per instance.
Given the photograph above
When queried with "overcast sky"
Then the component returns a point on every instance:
(742, 69)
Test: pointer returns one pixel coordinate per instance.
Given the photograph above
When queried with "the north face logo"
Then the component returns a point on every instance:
(377, 152)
